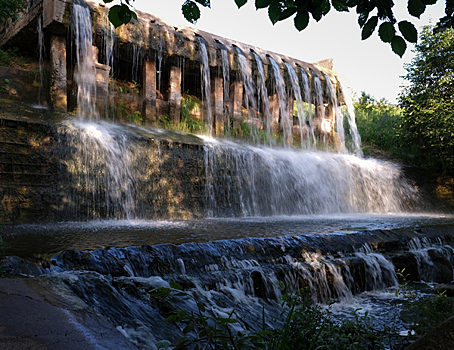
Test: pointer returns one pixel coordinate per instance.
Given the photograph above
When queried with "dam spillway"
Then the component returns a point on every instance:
(241, 88)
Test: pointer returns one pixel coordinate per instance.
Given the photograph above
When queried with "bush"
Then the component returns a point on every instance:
(378, 123)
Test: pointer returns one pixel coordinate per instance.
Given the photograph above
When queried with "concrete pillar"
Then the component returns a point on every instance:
(58, 89)
(217, 95)
(274, 111)
(149, 110)
(237, 100)
(288, 121)
(175, 94)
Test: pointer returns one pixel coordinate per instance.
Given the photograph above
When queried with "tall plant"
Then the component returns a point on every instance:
(428, 102)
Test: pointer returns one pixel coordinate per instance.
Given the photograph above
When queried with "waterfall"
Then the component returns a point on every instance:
(356, 137)
(308, 98)
(206, 84)
(286, 120)
(109, 41)
(225, 74)
(379, 272)
(263, 97)
(40, 58)
(245, 180)
(103, 176)
(243, 275)
(85, 74)
(249, 90)
(338, 117)
(319, 106)
(299, 103)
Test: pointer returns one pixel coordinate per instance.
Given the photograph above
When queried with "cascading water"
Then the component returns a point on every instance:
(244, 69)
(263, 99)
(319, 107)
(206, 84)
(226, 83)
(306, 95)
(109, 38)
(338, 117)
(240, 275)
(286, 121)
(299, 103)
(225, 74)
(103, 176)
(251, 181)
(356, 137)
(85, 74)
(40, 58)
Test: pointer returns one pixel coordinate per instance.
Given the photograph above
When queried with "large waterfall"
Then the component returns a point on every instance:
(236, 223)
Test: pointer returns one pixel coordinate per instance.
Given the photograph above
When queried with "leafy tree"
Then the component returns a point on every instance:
(370, 14)
(428, 102)
(10, 9)
(378, 123)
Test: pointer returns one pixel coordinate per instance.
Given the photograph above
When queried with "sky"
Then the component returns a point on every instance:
(366, 65)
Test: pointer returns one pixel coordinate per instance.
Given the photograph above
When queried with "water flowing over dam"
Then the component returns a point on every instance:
(273, 197)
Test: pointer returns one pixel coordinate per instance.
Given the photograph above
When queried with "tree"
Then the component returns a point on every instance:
(370, 14)
(10, 9)
(428, 102)
(378, 123)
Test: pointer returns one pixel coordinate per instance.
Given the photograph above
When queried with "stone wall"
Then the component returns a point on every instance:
(37, 185)
(28, 172)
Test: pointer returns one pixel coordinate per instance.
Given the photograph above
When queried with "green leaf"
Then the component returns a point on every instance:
(188, 328)
(301, 20)
(287, 13)
(325, 6)
(416, 8)
(386, 32)
(340, 5)
(240, 3)
(201, 307)
(369, 27)
(317, 13)
(134, 15)
(160, 292)
(175, 285)
(125, 14)
(260, 4)
(409, 31)
(205, 3)
(274, 12)
(107, 1)
(362, 18)
(163, 344)
(190, 11)
(398, 45)
(113, 16)
(223, 321)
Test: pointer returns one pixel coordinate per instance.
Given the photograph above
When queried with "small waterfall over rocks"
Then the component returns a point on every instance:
(206, 85)
(85, 73)
(243, 275)
(263, 96)
(299, 103)
(286, 122)
(133, 175)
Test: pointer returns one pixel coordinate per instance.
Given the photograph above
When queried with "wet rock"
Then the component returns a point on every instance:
(447, 289)
(443, 268)
(408, 264)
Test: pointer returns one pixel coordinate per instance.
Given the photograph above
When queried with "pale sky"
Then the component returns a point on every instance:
(367, 65)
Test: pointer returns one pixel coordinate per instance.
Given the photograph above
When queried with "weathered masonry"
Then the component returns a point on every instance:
(237, 83)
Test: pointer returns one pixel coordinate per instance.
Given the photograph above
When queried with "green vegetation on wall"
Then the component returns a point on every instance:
(12, 57)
